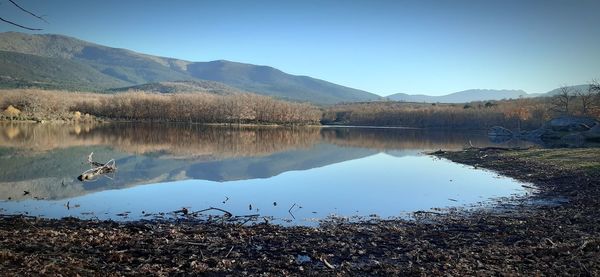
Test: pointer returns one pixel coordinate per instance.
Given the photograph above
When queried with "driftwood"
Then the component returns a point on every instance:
(290, 211)
(97, 169)
(327, 264)
(482, 149)
(225, 213)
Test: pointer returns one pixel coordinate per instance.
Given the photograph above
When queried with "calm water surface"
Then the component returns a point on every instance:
(317, 172)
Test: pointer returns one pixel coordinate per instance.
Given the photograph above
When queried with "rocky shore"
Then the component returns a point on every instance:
(564, 131)
(524, 238)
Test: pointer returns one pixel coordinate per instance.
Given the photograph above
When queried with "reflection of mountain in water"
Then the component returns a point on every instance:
(268, 166)
(57, 182)
(45, 158)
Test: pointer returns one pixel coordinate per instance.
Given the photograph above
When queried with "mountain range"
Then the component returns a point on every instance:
(59, 62)
(478, 95)
(461, 96)
(572, 89)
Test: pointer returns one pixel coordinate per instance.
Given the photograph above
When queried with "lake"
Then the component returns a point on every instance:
(291, 175)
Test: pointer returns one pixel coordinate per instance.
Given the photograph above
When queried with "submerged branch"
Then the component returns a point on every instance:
(97, 169)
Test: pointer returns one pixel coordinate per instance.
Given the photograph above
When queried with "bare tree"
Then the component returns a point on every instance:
(586, 98)
(594, 89)
(595, 86)
(563, 100)
(594, 92)
(26, 11)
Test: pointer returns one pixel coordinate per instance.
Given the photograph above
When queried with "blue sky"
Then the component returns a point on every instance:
(384, 47)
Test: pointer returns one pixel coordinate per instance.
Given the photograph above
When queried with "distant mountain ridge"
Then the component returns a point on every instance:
(573, 89)
(271, 81)
(56, 61)
(478, 95)
(461, 96)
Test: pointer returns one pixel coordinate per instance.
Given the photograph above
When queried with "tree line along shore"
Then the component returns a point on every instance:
(526, 113)
(139, 106)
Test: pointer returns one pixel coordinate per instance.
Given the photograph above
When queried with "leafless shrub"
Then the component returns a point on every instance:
(140, 106)
(529, 113)
(563, 100)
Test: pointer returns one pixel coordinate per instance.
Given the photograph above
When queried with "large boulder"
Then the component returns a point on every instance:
(564, 131)
(499, 134)
(571, 124)
(541, 134)
(498, 131)
(535, 135)
(592, 134)
(573, 140)
(572, 131)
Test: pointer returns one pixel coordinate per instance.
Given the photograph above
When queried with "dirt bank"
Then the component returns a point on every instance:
(523, 240)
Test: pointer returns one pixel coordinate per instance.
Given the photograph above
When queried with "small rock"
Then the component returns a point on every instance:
(300, 259)
(571, 123)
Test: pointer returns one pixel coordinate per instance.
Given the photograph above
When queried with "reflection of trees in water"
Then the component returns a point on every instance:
(43, 137)
(397, 139)
(181, 140)
(200, 143)
(195, 140)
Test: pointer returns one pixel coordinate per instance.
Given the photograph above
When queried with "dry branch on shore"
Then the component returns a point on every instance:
(488, 148)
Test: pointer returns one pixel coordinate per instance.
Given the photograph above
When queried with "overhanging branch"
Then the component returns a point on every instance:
(23, 9)
(19, 25)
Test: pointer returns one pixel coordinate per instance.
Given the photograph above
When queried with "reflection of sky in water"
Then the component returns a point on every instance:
(380, 184)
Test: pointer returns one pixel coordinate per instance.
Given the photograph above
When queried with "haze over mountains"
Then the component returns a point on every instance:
(476, 95)
(61, 62)
(461, 96)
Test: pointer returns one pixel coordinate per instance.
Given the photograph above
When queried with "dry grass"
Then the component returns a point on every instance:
(140, 106)
(584, 159)
(524, 113)
(35, 104)
(256, 109)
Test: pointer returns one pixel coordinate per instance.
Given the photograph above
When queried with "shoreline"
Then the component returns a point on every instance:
(526, 239)
(332, 126)
(119, 121)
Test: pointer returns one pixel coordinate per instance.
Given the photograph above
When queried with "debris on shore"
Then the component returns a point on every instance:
(529, 240)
